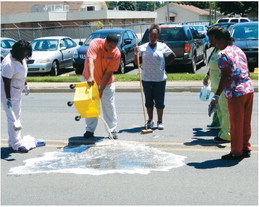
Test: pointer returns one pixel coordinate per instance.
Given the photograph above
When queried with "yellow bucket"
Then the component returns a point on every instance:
(87, 100)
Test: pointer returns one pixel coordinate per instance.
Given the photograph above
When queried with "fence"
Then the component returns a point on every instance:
(78, 32)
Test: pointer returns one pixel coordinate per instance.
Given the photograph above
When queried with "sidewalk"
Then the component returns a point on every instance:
(134, 86)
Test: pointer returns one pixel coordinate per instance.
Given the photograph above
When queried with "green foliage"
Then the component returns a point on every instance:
(238, 7)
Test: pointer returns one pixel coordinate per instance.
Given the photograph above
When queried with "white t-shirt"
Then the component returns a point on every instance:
(14, 70)
(153, 61)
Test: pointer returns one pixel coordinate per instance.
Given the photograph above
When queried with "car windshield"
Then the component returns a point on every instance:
(7, 44)
(199, 28)
(99, 35)
(172, 34)
(245, 32)
(44, 45)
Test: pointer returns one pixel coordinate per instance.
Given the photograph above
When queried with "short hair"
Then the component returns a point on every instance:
(154, 27)
(214, 30)
(19, 48)
(225, 35)
(112, 38)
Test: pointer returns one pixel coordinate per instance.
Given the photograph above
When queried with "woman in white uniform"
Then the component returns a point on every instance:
(13, 81)
(152, 58)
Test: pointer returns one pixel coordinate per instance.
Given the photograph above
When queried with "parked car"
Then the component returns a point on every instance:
(246, 38)
(202, 29)
(225, 25)
(185, 41)
(6, 46)
(233, 19)
(126, 44)
(51, 54)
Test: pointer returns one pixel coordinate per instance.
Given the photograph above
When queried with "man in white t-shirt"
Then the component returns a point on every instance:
(13, 80)
(152, 58)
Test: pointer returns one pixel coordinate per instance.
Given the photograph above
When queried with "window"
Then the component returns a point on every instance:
(70, 43)
(234, 20)
(90, 8)
(125, 36)
(243, 20)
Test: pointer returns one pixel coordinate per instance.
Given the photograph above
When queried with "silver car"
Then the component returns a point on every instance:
(6, 46)
(51, 54)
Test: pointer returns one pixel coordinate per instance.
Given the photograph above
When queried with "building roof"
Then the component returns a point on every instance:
(192, 8)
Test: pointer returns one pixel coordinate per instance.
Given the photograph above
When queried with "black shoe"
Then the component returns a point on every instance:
(219, 140)
(246, 153)
(88, 134)
(22, 149)
(232, 157)
(115, 135)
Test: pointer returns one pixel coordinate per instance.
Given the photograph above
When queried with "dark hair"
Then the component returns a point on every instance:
(19, 48)
(154, 27)
(225, 35)
(112, 38)
(214, 30)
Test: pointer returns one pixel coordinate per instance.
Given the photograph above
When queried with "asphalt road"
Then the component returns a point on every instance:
(204, 179)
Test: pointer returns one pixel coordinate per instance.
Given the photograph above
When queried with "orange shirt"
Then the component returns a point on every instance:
(103, 60)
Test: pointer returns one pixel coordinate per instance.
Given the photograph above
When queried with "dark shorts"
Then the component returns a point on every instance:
(154, 94)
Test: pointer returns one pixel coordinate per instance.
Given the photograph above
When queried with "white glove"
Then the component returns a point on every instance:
(212, 106)
(26, 90)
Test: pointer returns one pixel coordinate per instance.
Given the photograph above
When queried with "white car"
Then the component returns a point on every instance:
(6, 46)
(233, 19)
(51, 54)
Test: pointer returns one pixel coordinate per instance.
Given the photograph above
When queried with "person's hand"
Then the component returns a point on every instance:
(9, 103)
(212, 106)
(206, 80)
(90, 81)
(26, 90)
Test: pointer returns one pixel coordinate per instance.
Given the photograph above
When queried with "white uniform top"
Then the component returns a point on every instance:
(153, 61)
(14, 70)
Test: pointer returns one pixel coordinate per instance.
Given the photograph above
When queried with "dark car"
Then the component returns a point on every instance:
(126, 44)
(185, 41)
(224, 25)
(246, 38)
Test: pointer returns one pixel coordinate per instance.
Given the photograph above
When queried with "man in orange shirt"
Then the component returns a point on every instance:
(102, 59)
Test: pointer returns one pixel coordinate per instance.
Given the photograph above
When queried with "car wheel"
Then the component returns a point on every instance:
(54, 69)
(192, 66)
(122, 66)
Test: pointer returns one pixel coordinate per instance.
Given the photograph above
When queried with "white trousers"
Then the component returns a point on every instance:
(15, 139)
(108, 110)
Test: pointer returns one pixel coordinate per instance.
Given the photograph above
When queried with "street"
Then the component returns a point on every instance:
(204, 179)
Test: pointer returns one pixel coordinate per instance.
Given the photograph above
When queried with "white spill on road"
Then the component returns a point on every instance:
(104, 157)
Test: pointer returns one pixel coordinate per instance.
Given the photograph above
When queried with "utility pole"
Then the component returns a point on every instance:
(168, 16)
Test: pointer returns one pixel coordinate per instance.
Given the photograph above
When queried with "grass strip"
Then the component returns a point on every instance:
(125, 77)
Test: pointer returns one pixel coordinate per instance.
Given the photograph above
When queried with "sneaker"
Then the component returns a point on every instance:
(213, 127)
(88, 134)
(149, 124)
(232, 157)
(115, 135)
(160, 125)
(22, 149)
(219, 140)
(246, 153)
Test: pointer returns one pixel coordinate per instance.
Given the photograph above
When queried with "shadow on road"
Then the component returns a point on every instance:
(199, 132)
(6, 152)
(210, 164)
(77, 141)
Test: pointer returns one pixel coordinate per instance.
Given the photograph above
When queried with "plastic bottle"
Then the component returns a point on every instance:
(205, 93)
(40, 142)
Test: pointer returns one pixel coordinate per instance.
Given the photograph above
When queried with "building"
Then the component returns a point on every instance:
(174, 12)
(35, 13)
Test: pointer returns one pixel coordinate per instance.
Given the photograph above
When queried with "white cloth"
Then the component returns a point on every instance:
(17, 72)
(13, 69)
(153, 61)
(108, 110)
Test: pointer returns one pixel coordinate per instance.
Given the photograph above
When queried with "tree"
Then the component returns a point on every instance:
(127, 5)
(239, 7)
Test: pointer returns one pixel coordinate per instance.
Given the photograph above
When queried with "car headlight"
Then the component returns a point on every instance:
(46, 60)
(75, 55)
